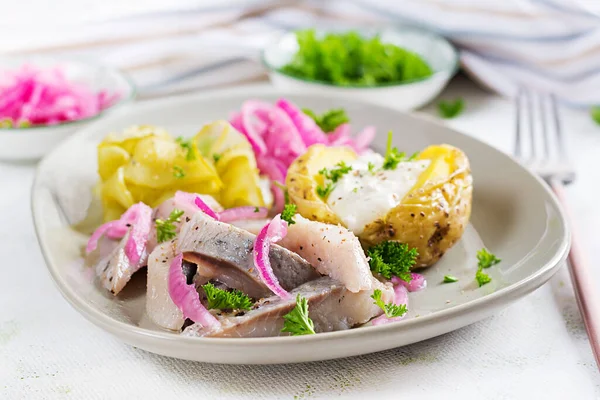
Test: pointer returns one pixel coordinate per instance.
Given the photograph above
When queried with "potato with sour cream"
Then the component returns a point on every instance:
(424, 201)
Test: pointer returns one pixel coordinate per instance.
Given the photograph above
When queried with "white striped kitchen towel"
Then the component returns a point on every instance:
(182, 45)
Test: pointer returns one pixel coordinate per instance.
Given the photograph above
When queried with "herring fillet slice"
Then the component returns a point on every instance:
(332, 249)
(332, 307)
(227, 252)
(115, 269)
(159, 306)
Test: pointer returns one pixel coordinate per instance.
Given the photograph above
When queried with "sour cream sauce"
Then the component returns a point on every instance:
(360, 196)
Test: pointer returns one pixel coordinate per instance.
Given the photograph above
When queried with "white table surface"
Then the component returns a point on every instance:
(537, 348)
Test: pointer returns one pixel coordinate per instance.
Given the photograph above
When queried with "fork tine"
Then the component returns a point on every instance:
(518, 102)
(531, 118)
(543, 100)
(557, 127)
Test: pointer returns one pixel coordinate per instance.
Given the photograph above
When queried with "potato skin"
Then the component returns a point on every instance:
(431, 217)
(434, 214)
(303, 178)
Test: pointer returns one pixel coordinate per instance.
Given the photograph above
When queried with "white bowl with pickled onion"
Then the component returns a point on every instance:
(44, 100)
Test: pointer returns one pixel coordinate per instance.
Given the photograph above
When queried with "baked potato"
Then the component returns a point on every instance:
(430, 216)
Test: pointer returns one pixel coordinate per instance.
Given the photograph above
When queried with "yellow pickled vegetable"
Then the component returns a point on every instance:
(234, 160)
(145, 163)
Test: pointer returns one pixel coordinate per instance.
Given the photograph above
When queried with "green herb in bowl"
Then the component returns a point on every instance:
(351, 59)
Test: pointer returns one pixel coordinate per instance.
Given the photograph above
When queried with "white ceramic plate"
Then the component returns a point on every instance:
(514, 214)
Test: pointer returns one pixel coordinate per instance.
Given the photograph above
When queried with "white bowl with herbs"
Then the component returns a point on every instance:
(399, 68)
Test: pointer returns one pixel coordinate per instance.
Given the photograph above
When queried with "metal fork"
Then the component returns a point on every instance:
(540, 144)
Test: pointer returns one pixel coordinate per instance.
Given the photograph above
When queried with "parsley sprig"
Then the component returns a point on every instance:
(393, 157)
(331, 176)
(451, 109)
(226, 300)
(297, 321)
(329, 120)
(391, 310)
(450, 279)
(289, 210)
(485, 259)
(188, 147)
(165, 229)
(352, 58)
(392, 258)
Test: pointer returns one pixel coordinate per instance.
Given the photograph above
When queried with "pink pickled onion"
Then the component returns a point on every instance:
(118, 228)
(417, 282)
(205, 208)
(400, 297)
(308, 129)
(246, 212)
(135, 247)
(46, 97)
(185, 296)
(272, 232)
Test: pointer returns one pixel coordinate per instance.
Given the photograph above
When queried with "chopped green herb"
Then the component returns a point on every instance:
(355, 190)
(178, 172)
(297, 321)
(414, 156)
(188, 147)
(216, 157)
(351, 58)
(6, 123)
(371, 167)
(485, 259)
(165, 229)
(391, 310)
(256, 209)
(289, 210)
(336, 173)
(450, 279)
(329, 120)
(482, 278)
(226, 300)
(392, 258)
(323, 191)
(451, 109)
(595, 113)
(392, 156)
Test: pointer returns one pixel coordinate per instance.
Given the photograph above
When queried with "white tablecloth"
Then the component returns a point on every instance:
(535, 349)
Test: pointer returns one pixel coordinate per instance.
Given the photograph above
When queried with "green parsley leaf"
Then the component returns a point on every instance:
(188, 147)
(329, 120)
(371, 167)
(451, 109)
(178, 172)
(485, 259)
(323, 191)
(256, 209)
(289, 210)
(165, 229)
(353, 59)
(482, 278)
(413, 156)
(226, 300)
(297, 321)
(355, 190)
(216, 157)
(392, 156)
(391, 310)
(336, 173)
(595, 113)
(392, 258)
(450, 279)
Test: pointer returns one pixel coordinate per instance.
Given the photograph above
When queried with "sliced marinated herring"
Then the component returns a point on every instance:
(332, 307)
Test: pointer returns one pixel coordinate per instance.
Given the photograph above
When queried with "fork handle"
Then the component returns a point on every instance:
(582, 279)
